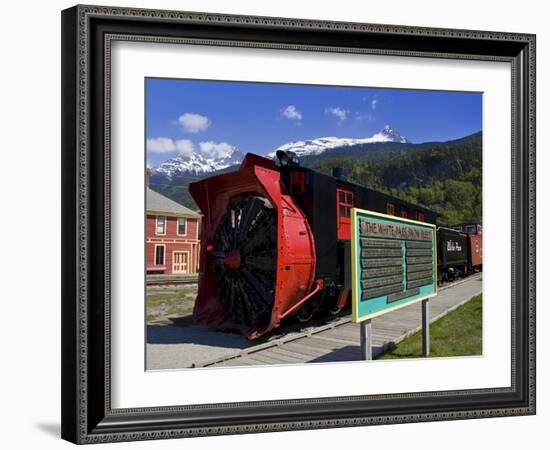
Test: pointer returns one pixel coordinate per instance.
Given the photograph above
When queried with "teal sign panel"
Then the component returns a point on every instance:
(394, 263)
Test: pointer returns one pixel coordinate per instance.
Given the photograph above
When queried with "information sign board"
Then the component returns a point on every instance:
(394, 263)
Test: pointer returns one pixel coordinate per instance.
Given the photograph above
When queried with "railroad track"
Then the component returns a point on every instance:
(166, 280)
(338, 340)
(161, 280)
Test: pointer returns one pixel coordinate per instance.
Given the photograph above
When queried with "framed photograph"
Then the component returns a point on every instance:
(280, 224)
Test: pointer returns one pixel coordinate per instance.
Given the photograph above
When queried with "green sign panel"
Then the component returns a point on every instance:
(394, 263)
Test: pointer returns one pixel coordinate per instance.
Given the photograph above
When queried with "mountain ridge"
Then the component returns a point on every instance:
(312, 147)
(197, 164)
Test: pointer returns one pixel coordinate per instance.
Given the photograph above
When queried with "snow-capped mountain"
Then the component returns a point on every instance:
(196, 164)
(321, 145)
(389, 134)
(199, 164)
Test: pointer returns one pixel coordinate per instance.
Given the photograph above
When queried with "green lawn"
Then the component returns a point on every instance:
(456, 334)
(171, 306)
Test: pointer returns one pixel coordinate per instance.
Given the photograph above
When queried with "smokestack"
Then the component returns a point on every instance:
(340, 172)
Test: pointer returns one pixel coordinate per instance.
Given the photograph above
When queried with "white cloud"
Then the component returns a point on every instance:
(209, 149)
(341, 113)
(160, 145)
(168, 145)
(216, 149)
(290, 112)
(185, 147)
(373, 104)
(193, 123)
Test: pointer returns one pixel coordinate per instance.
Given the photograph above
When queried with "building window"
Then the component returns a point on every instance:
(159, 255)
(404, 213)
(182, 225)
(161, 225)
(390, 209)
(420, 216)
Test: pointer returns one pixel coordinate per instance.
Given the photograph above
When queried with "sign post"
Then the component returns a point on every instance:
(426, 327)
(394, 264)
(366, 340)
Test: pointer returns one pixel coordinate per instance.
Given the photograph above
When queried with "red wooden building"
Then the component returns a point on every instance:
(172, 236)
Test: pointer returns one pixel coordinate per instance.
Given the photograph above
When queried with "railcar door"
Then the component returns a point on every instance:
(344, 203)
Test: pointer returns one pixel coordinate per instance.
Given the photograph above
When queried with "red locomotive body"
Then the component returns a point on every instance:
(258, 252)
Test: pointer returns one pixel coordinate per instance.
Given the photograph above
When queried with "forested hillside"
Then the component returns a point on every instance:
(445, 177)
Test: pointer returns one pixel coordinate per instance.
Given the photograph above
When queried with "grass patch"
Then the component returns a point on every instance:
(459, 333)
(171, 306)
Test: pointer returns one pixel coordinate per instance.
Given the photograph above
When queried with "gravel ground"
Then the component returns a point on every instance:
(173, 347)
(170, 330)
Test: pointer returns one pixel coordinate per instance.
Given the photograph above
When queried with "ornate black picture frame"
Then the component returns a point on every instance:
(87, 33)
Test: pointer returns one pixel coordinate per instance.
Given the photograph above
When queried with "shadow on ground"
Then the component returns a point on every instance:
(181, 330)
(195, 334)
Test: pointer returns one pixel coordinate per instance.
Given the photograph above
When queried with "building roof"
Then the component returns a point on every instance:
(158, 203)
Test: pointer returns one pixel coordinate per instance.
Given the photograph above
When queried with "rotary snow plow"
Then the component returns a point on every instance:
(257, 250)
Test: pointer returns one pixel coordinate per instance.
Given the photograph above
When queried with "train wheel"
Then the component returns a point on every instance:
(305, 313)
(334, 310)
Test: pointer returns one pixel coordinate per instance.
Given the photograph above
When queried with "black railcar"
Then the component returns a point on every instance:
(452, 255)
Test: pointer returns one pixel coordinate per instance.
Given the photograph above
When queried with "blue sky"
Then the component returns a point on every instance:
(213, 116)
